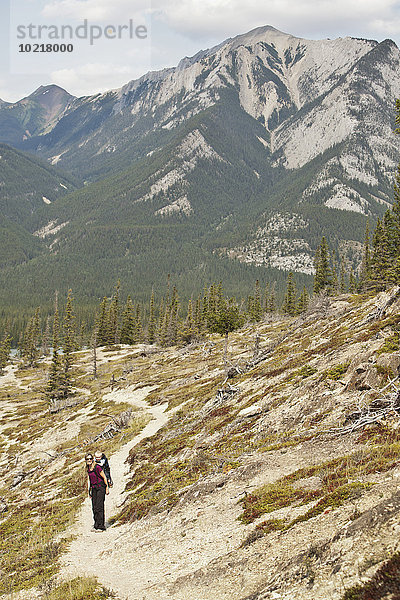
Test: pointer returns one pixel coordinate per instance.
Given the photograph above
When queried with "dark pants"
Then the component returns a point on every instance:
(98, 497)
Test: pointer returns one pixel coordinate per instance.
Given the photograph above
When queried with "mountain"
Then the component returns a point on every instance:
(231, 165)
(32, 115)
(26, 184)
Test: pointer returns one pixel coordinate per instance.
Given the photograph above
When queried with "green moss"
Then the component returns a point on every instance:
(335, 499)
(391, 344)
(270, 498)
(334, 476)
(336, 372)
(306, 371)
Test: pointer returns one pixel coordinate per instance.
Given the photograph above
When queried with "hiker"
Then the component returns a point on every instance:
(97, 488)
(102, 460)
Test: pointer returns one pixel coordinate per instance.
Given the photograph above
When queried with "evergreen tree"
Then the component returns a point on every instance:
(5, 349)
(188, 329)
(94, 351)
(204, 319)
(352, 283)
(102, 323)
(303, 301)
(151, 334)
(289, 303)
(172, 332)
(69, 345)
(266, 298)
(224, 319)
(138, 334)
(272, 304)
(323, 279)
(55, 382)
(365, 273)
(342, 283)
(113, 318)
(335, 281)
(385, 257)
(256, 313)
(30, 348)
(46, 337)
(128, 328)
(198, 317)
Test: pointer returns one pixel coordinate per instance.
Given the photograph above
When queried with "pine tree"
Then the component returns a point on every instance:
(55, 382)
(198, 317)
(380, 260)
(172, 331)
(342, 283)
(187, 329)
(128, 328)
(46, 337)
(138, 333)
(30, 348)
(289, 303)
(113, 318)
(102, 323)
(151, 334)
(69, 345)
(94, 351)
(272, 304)
(385, 258)
(266, 298)
(5, 349)
(365, 273)
(335, 281)
(205, 308)
(225, 319)
(303, 301)
(352, 283)
(323, 279)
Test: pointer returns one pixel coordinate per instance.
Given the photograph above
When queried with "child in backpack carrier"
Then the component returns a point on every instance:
(102, 460)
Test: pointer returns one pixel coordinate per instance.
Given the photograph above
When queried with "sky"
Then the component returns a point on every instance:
(90, 46)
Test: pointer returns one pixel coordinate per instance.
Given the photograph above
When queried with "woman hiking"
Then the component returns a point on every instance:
(97, 488)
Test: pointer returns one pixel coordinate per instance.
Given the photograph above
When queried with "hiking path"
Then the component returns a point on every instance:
(86, 552)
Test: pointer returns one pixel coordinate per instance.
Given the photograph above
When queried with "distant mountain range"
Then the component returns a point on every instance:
(231, 165)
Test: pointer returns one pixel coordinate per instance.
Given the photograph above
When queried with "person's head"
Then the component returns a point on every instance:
(89, 459)
(98, 455)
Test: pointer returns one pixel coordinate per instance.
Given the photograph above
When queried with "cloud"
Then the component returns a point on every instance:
(218, 19)
(91, 78)
(95, 10)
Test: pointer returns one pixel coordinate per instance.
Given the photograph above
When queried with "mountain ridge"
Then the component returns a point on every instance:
(263, 129)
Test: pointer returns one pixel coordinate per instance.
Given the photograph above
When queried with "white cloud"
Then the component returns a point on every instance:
(91, 78)
(300, 17)
(95, 10)
(217, 19)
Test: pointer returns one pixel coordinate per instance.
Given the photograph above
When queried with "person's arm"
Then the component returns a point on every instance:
(88, 482)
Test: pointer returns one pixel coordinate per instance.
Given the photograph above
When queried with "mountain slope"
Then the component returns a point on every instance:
(236, 161)
(26, 185)
(32, 115)
(282, 481)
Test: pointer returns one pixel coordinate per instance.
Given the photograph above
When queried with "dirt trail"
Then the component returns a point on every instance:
(85, 553)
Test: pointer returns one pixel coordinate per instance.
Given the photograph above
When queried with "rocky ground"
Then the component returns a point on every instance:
(277, 480)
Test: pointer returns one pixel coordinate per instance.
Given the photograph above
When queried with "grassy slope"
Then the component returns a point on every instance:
(306, 385)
